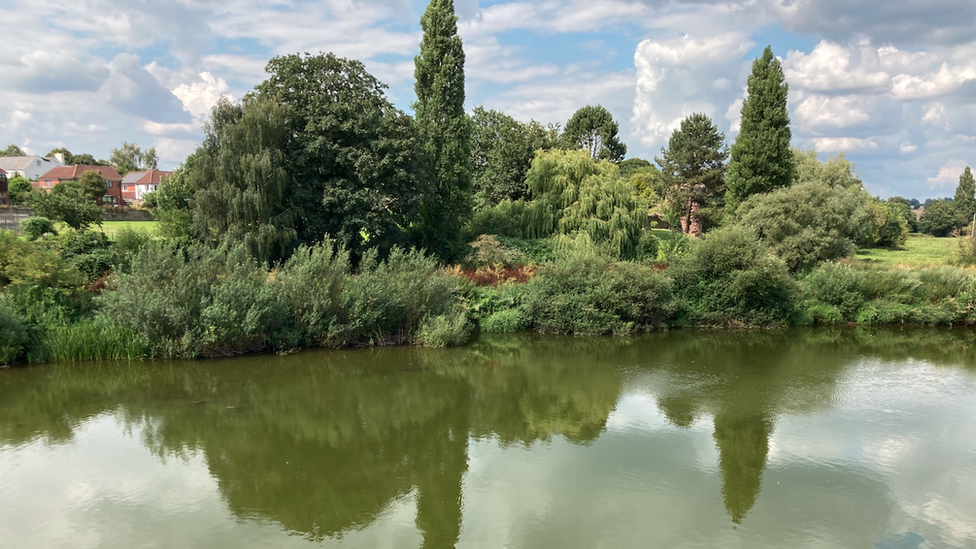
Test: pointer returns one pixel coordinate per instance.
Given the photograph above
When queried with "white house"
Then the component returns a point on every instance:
(29, 167)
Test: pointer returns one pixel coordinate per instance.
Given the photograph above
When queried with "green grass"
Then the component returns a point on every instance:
(920, 251)
(110, 228)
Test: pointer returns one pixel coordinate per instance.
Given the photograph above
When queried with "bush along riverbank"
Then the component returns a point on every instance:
(166, 301)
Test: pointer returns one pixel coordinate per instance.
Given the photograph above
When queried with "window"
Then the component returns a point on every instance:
(125, 187)
(108, 184)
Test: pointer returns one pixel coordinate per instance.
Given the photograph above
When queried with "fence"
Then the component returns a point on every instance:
(10, 218)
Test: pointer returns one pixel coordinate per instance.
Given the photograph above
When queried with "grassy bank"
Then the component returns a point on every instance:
(111, 228)
(919, 251)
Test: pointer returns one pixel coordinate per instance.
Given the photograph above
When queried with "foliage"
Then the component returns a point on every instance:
(808, 223)
(730, 277)
(70, 159)
(966, 253)
(586, 294)
(39, 285)
(628, 167)
(12, 150)
(904, 209)
(889, 227)
(239, 180)
(130, 157)
(13, 335)
(502, 149)
(487, 251)
(938, 219)
(693, 166)
(172, 204)
(444, 129)
(94, 185)
(593, 129)
(19, 190)
(87, 340)
(761, 159)
(35, 227)
(965, 198)
(836, 171)
(353, 157)
(67, 203)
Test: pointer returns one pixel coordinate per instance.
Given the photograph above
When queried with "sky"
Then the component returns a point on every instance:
(891, 83)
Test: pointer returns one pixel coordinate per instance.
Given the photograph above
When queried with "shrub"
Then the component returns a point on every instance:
(966, 254)
(68, 203)
(36, 227)
(841, 286)
(730, 277)
(487, 251)
(938, 219)
(88, 340)
(445, 330)
(506, 321)
(589, 295)
(809, 223)
(13, 335)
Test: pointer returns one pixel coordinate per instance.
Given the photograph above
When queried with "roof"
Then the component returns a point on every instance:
(152, 177)
(67, 173)
(21, 163)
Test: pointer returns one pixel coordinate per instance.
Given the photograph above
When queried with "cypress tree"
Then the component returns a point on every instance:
(444, 128)
(761, 157)
(965, 199)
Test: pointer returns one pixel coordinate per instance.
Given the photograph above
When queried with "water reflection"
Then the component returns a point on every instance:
(323, 443)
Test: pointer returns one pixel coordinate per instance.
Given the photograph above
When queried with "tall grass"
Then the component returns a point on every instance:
(88, 340)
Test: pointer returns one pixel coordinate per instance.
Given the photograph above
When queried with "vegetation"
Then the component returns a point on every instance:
(593, 129)
(35, 227)
(130, 157)
(67, 203)
(761, 160)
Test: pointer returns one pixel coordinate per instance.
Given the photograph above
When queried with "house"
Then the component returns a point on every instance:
(136, 185)
(30, 167)
(4, 197)
(113, 191)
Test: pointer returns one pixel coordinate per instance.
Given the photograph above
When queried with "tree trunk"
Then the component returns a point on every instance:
(695, 223)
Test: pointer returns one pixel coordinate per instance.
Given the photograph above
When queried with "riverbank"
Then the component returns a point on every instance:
(196, 302)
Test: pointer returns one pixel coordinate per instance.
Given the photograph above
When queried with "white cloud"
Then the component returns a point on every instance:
(834, 112)
(908, 148)
(948, 176)
(200, 96)
(842, 144)
(829, 68)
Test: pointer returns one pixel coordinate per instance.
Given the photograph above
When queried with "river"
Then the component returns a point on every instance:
(845, 438)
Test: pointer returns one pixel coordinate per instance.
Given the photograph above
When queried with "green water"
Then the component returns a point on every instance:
(841, 438)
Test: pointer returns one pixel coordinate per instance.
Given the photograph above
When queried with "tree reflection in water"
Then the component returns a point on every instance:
(323, 442)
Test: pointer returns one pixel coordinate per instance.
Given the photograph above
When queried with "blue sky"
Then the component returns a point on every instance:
(892, 84)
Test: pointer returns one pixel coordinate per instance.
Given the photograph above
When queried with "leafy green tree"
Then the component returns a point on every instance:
(593, 128)
(83, 159)
(693, 164)
(19, 189)
(35, 227)
(240, 179)
(445, 130)
(836, 171)
(94, 185)
(68, 203)
(809, 223)
(889, 226)
(625, 168)
(502, 149)
(761, 158)
(965, 199)
(939, 218)
(905, 208)
(352, 155)
(131, 158)
(12, 150)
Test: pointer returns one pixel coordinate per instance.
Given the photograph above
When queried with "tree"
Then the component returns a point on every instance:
(965, 199)
(502, 149)
(761, 158)
(94, 185)
(83, 159)
(694, 167)
(352, 155)
(938, 219)
(67, 203)
(12, 150)
(131, 158)
(810, 222)
(445, 130)
(240, 179)
(836, 171)
(628, 167)
(905, 208)
(19, 190)
(594, 129)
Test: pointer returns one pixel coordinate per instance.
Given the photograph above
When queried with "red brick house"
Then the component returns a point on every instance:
(136, 185)
(113, 191)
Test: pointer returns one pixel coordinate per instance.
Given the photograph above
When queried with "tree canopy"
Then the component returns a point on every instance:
(130, 157)
(68, 203)
(593, 128)
(761, 158)
(444, 128)
(965, 198)
(94, 185)
(693, 165)
(12, 150)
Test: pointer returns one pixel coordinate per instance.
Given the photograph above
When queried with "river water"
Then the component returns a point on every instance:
(801, 438)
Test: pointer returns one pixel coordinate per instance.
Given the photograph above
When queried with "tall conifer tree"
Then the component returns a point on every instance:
(965, 199)
(444, 128)
(761, 157)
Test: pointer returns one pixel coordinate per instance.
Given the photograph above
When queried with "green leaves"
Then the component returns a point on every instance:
(67, 202)
(761, 158)
(593, 128)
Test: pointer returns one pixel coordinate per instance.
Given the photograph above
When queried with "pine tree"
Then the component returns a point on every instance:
(965, 199)
(444, 128)
(761, 156)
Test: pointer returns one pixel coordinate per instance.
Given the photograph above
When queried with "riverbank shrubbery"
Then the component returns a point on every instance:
(196, 301)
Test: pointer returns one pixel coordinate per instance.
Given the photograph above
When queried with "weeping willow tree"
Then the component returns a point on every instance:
(572, 194)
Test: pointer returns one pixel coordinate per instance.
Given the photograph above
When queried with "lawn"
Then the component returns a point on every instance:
(110, 228)
(920, 251)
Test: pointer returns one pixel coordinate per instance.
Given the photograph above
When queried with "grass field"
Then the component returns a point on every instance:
(920, 251)
(110, 228)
